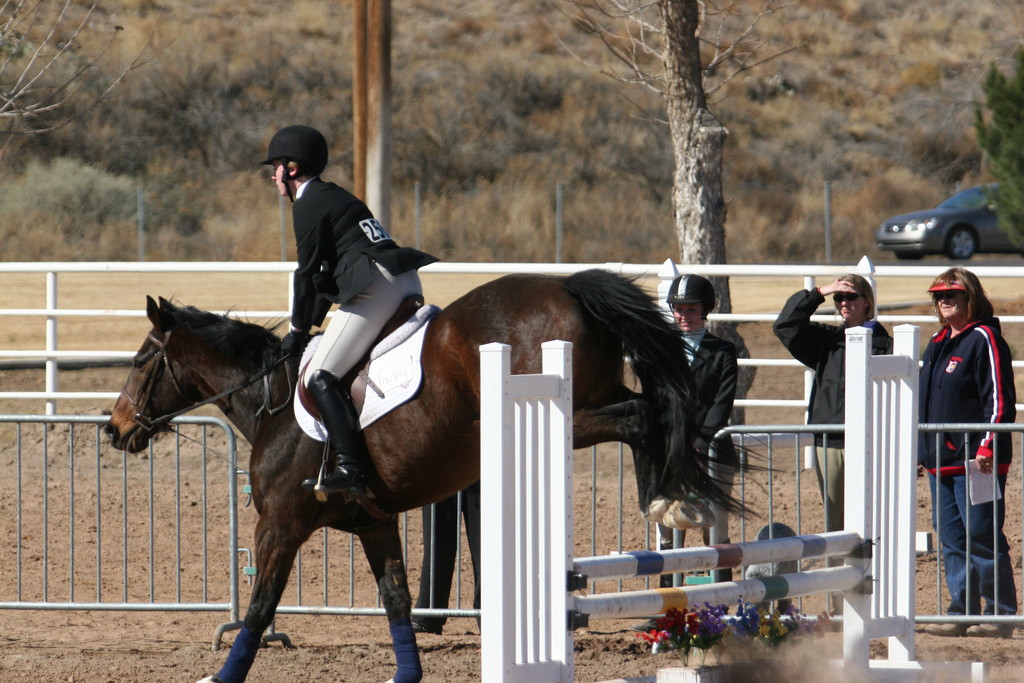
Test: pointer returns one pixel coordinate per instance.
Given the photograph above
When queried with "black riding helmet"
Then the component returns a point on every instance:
(690, 289)
(304, 145)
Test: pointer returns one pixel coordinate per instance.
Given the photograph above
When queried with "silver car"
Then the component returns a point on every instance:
(958, 227)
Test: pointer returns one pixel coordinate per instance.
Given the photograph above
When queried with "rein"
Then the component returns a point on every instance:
(150, 381)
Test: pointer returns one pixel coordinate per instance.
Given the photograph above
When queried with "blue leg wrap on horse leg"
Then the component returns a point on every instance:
(243, 652)
(407, 655)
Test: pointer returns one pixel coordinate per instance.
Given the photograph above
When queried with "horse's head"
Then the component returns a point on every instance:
(192, 357)
(154, 387)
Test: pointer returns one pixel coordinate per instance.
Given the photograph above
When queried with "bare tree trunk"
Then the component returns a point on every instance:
(697, 141)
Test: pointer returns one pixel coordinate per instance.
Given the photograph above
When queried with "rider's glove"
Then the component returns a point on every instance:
(293, 344)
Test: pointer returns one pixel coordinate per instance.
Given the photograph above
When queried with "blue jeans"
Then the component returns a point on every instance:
(989, 561)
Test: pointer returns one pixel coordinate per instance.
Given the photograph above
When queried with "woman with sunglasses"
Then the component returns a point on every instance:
(966, 376)
(822, 348)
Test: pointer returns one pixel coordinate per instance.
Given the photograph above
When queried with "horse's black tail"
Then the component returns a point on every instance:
(656, 352)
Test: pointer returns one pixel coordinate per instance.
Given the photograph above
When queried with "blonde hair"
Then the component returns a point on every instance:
(863, 287)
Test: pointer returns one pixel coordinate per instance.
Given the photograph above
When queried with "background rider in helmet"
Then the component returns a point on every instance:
(713, 366)
(345, 257)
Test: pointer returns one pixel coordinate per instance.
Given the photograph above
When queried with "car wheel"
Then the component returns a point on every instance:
(961, 244)
(908, 257)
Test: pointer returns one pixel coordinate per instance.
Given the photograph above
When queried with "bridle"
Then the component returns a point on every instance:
(159, 353)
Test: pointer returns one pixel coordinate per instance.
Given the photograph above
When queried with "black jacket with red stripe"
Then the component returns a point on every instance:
(966, 378)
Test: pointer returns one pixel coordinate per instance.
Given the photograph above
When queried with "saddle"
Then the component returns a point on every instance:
(354, 382)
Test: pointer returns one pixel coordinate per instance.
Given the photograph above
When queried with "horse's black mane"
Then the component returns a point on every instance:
(226, 335)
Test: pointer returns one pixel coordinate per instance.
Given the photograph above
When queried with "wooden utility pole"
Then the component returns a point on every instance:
(371, 106)
(359, 97)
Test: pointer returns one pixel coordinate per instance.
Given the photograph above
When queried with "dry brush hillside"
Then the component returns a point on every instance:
(495, 103)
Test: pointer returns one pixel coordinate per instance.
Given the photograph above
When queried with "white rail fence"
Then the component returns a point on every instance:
(52, 316)
(529, 609)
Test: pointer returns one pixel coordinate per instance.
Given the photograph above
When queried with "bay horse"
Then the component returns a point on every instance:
(428, 448)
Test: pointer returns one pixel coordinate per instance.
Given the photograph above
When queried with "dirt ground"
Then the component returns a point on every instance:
(101, 646)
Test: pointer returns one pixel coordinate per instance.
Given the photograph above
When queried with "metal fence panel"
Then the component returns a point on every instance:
(87, 527)
(168, 529)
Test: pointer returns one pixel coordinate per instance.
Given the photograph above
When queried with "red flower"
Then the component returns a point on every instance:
(692, 623)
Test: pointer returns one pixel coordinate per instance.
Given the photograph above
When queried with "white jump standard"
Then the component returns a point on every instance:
(529, 610)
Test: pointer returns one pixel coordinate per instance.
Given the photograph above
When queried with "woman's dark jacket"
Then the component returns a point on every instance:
(966, 378)
(337, 240)
(714, 373)
(822, 348)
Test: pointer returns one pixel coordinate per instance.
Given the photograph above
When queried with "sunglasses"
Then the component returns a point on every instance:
(945, 294)
(840, 298)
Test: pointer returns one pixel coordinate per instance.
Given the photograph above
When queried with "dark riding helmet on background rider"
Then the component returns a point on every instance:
(303, 145)
(691, 289)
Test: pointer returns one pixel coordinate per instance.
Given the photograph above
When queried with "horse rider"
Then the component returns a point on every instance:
(345, 257)
(713, 364)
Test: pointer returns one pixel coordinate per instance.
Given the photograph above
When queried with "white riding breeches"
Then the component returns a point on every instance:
(356, 323)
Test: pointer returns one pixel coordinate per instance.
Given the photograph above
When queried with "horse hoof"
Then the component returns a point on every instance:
(680, 514)
(209, 679)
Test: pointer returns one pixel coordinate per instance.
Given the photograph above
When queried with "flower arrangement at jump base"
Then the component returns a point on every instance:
(696, 631)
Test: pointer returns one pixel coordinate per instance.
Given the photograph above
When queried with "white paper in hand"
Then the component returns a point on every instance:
(981, 485)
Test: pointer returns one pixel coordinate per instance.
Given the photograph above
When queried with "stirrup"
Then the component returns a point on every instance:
(353, 485)
(317, 485)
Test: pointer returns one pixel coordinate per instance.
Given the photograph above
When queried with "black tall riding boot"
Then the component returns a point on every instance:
(348, 476)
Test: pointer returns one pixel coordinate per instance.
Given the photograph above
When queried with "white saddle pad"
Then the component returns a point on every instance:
(394, 372)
